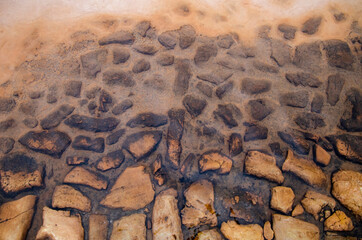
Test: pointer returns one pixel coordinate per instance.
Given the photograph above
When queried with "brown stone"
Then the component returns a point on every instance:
(282, 199)
(298, 210)
(311, 26)
(142, 144)
(287, 30)
(79, 175)
(98, 227)
(111, 161)
(174, 135)
(215, 161)
(75, 160)
(321, 156)
(130, 227)
(235, 144)
(65, 196)
(347, 146)
(314, 202)
(234, 231)
(338, 222)
(290, 228)
(120, 37)
(339, 54)
(268, 231)
(211, 234)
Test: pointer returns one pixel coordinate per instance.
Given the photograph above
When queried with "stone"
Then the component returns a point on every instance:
(317, 103)
(7, 104)
(242, 51)
(298, 210)
(204, 88)
(305, 169)
(222, 90)
(276, 150)
(260, 109)
(73, 88)
(129, 227)
(28, 108)
(303, 79)
(346, 188)
(313, 202)
(183, 76)
(7, 124)
(230, 63)
(88, 144)
(65, 196)
(334, 88)
(321, 156)
(92, 124)
(92, 93)
(215, 161)
(298, 99)
(225, 41)
(166, 222)
(56, 117)
(323, 142)
(92, 106)
(82, 176)
(290, 228)
(211, 234)
(308, 56)
(105, 101)
(199, 209)
(338, 54)
(30, 122)
(235, 144)
(228, 113)
(16, 217)
(35, 94)
(264, 32)
(142, 27)
(120, 37)
(353, 123)
(281, 52)
(142, 144)
(116, 77)
(268, 231)
(347, 146)
(159, 174)
(215, 77)
(6, 144)
(111, 161)
(60, 225)
(147, 119)
(255, 132)
(311, 26)
(282, 199)
(187, 36)
(255, 86)
(297, 143)
(168, 39)
(92, 62)
(19, 172)
(194, 105)
(51, 98)
(309, 121)
(52, 143)
(115, 136)
(76, 160)
(174, 135)
(120, 55)
(204, 53)
(156, 82)
(264, 166)
(146, 49)
(165, 59)
(265, 67)
(141, 65)
(287, 30)
(122, 107)
(338, 222)
(233, 231)
(98, 227)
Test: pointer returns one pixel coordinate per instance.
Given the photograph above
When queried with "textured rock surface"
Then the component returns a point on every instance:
(215, 161)
(338, 222)
(79, 175)
(65, 196)
(313, 203)
(142, 144)
(98, 226)
(129, 227)
(234, 231)
(282, 199)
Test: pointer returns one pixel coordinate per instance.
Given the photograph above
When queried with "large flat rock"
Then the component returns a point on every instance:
(289, 228)
(98, 227)
(234, 231)
(65, 196)
(313, 202)
(92, 124)
(142, 144)
(130, 227)
(215, 161)
(82, 176)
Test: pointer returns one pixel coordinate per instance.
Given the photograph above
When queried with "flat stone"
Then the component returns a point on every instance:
(92, 62)
(308, 56)
(334, 88)
(73, 88)
(194, 105)
(174, 135)
(82, 176)
(159, 173)
(321, 156)
(228, 113)
(260, 109)
(7, 104)
(187, 36)
(120, 37)
(144, 48)
(35, 94)
(168, 39)
(255, 132)
(276, 150)
(7, 124)
(338, 54)
(353, 123)
(76, 160)
(60, 225)
(156, 81)
(290, 228)
(205, 52)
(297, 143)
(233, 231)
(311, 26)
(165, 59)
(303, 79)
(282, 199)
(147, 119)
(281, 52)
(30, 122)
(211, 234)
(115, 77)
(204, 88)
(287, 30)
(297, 99)
(305, 169)
(313, 202)
(114, 137)
(141, 65)
(111, 161)
(215, 161)
(129, 227)
(230, 63)
(264, 166)
(142, 144)
(56, 117)
(88, 144)
(53, 143)
(255, 86)
(317, 103)
(199, 209)
(265, 67)
(142, 27)
(166, 222)
(225, 41)
(346, 188)
(28, 108)
(338, 222)
(235, 144)
(65, 196)
(268, 231)
(16, 217)
(105, 101)
(347, 146)
(241, 51)
(298, 210)
(309, 121)
(6, 144)
(183, 76)
(222, 90)
(215, 77)
(92, 124)
(122, 107)
(98, 227)
(120, 55)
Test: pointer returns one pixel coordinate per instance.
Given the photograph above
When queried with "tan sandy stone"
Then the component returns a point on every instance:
(234, 231)
(98, 227)
(215, 161)
(313, 203)
(211, 234)
(65, 196)
(130, 227)
(268, 231)
(14, 182)
(290, 228)
(338, 222)
(298, 210)
(282, 199)
(321, 156)
(79, 175)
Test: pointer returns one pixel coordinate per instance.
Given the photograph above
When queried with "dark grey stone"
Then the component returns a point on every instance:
(7, 104)
(92, 62)
(120, 37)
(141, 65)
(338, 54)
(297, 99)
(222, 90)
(255, 132)
(30, 122)
(334, 88)
(118, 77)
(73, 88)
(235, 144)
(147, 49)
(260, 109)
(304, 79)
(6, 144)
(311, 26)
(7, 124)
(265, 67)
(187, 36)
(255, 86)
(317, 103)
(147, 119)
(122, 107)
(204, 88)
(168, 39)
(228, 113)
(309, 121)
(92, 124)
(165, 59)
(205, 52)
(183, 75)
(120, 55)
(105, 101)
(225, 41)
(288, 31)
(297, 143)
(194, 105)
(115, 136)
(56, 117)
(86, 143)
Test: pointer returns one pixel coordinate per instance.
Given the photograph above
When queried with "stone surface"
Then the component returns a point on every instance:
(142, 27)
(233, 231)
(120, 55)
(224, 89)
(110, 161)
(120, 37)
(290, 228)
(183, 76)
(308, 56)
(53, 143)
(235, 144)
(87, 144)
(7, 124)
(147, 49)
(287, 30)
(215, 161)
(166, 222)
(338, 222)
(303, 79)
(142, 144)
(168, 39)
(225, 41)
(105, 101)
(338, 54)
(204, 53)
(317, 103)
(115, 77)
(262, 165)
(282, 199)
(305, 169)
(255, 132)
(129, 227)
(334, 88)
(297, 143)
(298, 210)
(194, 105)
(281, 52)
(76, 160)
(255, 86)
(309, 121)
(98, 227)
(353, 122)
(211, 234)
(265, 67)
(92, 124)
(187, 36)
(157, 82)
(242, 51)
(321, 156)
(56, 117)
(204, 88)
(65, 196)
(313, 202)
(199, 209)
(347, 146)
(165, 59)
(7, 104)
(114, 137)
(297, 99)
(311, 26)
(6, 144)
(216, 76)
(141, 65)
(228, 113)
(82, 176)
(60, 225)
(92, 62)
(147, 119)
(16, 217)
(260, 109)
(73, 88)
(268, 231)
(122, 107)
(346, 188)
(30, 122)
(131, 191)
(174, 135)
